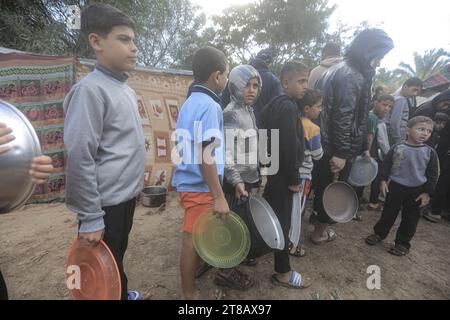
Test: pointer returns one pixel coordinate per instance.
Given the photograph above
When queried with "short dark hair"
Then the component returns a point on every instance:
(419, 119)
(385, 97)
(311, 98)
(413, 82)
(331, 49)
(292, 67)
(206, 61)
(101, 18)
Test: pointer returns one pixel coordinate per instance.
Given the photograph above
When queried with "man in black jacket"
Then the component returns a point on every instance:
(282, 114)
(346, 88)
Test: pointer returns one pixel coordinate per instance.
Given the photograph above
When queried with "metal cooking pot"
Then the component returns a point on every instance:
(16, 186)
(154, 196)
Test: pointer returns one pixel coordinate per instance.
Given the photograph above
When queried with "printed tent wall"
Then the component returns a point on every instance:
(160, 93)
(37, 84)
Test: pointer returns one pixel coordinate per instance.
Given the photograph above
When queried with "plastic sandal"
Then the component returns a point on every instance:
(134, 295)
(297, 281)
(373, 239)
(398, 250)
(234, 279)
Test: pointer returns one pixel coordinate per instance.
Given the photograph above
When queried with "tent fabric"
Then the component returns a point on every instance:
(439, 81)
(37, 85)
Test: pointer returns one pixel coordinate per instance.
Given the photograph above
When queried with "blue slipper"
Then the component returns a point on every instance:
(134, 295)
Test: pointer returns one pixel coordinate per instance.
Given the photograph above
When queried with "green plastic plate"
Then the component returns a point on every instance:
(221, 243)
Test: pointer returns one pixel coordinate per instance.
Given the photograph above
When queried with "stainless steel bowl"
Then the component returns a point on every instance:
(363, 172)
(340, 202)
(266, 222)
(16, 186)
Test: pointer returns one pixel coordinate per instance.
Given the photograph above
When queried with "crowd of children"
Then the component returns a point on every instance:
(106, 154)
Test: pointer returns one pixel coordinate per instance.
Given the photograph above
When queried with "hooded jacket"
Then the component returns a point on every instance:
(318, 71)
(271, 87)
(240, 130)
(283, 114)
(347, 90)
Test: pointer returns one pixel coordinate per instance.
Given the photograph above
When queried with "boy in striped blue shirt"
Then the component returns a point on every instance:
(311, 107)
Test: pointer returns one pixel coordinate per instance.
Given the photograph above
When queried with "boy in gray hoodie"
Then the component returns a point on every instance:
(104, 137)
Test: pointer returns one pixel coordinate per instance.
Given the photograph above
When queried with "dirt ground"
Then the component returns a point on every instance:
(35, 240)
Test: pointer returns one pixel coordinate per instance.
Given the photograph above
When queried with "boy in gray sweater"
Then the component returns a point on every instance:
(104, 137)
(412, 169)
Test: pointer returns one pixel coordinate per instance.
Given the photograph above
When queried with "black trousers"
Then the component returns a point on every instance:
(404, 199)
(441, 196)
(279, 197)
(118, 223)
(375, 186)
(3, 289)
(241, 208)
(324, 179)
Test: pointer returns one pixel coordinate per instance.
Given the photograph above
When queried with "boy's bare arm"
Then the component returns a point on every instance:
(369, 146)
(209, 171)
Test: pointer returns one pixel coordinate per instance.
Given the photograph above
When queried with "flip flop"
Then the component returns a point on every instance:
(429, 217)
(398, 250)
(135, 295)
(297, 281)
(373, 239)
(331, 237)
(234, 279)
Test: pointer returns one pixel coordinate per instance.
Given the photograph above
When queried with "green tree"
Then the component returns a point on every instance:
(31, 26)
(393, 79)
(291, 28)
(344, 33)
(425, 65)
(165, 28)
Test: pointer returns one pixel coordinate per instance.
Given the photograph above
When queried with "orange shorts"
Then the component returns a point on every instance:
(194, 204)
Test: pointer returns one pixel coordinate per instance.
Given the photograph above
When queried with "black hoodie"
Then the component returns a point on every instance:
(282, 114)
(347, 91)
